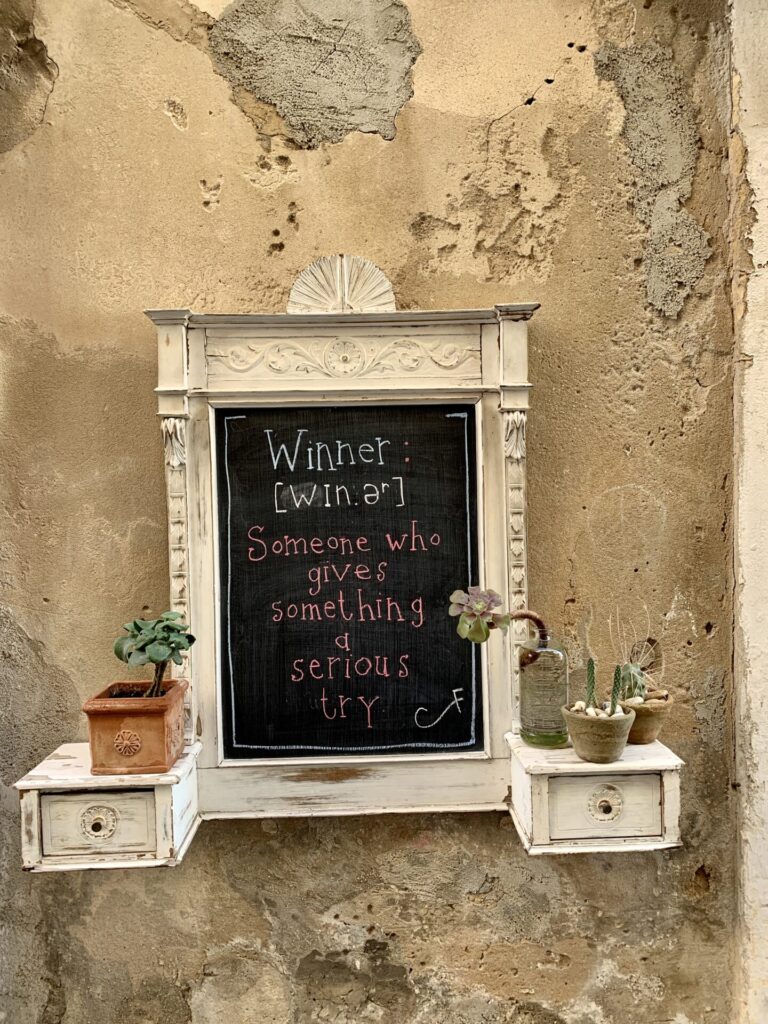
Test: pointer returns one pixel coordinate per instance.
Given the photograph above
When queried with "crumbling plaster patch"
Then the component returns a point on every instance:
(330, 67)
(326, 67)
(661, 135)
(27, 74)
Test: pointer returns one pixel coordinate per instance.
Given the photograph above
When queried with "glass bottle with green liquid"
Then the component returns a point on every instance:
(543, 687)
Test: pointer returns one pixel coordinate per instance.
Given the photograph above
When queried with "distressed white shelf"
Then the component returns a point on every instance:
(561, 804)
(71, 820)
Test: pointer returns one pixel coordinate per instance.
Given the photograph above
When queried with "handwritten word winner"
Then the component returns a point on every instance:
(320, 457)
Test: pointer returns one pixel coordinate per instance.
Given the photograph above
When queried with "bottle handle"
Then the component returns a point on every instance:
(536, 619)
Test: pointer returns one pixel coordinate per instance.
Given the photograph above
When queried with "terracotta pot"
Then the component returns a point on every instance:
(136, 735)
(599, 740)
(648, 720)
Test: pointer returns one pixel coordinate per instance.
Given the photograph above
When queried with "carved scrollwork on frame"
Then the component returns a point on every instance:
(514, 435)
(174, 438)
(514, 450)
(341, 357)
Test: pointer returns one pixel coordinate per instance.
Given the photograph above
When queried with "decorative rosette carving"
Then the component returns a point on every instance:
(127, 742)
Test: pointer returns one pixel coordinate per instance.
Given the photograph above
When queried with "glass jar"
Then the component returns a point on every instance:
(543, 692)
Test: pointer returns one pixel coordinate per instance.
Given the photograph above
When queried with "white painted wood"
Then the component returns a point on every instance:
(163, 823)
(539, 809)
(377, 787)
(343, 358)
(651, 757)
(514, 350)
(31, 837)
(184, 811)
(185, 317)
(618, 845)
(598, 806)
(343, 284)
(103, 822)
(357, 358)
(69, 767)
(561, 804)
(501, 661)
(72, 820)
(204, 577)
(671, 805)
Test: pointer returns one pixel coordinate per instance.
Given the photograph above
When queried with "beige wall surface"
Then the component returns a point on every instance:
(750, 302)
(573, 152)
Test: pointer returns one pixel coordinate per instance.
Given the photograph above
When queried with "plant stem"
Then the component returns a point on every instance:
(156, 689)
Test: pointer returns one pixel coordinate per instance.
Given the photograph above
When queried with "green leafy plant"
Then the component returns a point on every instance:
(155, 642)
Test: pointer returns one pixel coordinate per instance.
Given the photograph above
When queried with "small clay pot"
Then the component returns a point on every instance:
(599, 740)
(131, 734)
(649, 718)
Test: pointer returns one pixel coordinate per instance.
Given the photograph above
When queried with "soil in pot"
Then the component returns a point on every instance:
(131, 734)
(649, 718)
(598, 740)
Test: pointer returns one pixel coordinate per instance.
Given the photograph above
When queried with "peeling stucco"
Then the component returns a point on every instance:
(661, 135)
(183, 21)
(27, 74)
(329, 67)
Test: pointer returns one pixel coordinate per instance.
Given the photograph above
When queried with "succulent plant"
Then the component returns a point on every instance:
(477, 617)
(615, 690)
(634, 681)
(156, 642)
(591, 700)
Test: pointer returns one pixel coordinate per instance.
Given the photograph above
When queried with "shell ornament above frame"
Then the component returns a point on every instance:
(341, 284)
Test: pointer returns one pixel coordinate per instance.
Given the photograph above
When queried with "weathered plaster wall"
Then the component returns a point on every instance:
(567, 151)
(750, 302)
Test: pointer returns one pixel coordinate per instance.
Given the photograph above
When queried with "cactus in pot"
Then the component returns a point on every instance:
(599, 731)
(641, 665)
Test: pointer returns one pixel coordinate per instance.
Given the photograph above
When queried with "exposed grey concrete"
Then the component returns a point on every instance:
(329, 67)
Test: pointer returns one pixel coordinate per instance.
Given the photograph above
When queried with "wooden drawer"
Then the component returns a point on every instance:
(598, 806)
(562, 805)
(106, 822)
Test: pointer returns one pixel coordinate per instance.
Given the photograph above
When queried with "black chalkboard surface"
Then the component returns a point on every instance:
(342, 532)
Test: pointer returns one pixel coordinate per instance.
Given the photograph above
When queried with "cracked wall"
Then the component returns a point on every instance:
(27, 74)
(573, 154)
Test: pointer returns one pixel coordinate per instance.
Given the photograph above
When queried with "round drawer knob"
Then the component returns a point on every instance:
(605, 803)
(98, 822)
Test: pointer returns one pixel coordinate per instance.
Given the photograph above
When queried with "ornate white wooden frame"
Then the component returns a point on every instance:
(469, 356)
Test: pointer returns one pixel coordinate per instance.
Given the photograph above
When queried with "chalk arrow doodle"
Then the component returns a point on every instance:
(455, 703)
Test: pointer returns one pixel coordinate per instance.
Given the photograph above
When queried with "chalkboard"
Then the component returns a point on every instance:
(342, 532)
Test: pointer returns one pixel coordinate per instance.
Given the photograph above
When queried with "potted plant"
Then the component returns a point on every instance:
(137, 726)
(599, 731)
(641, 665)
(651, 705)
